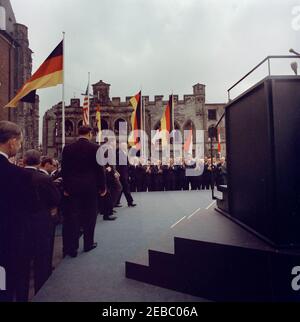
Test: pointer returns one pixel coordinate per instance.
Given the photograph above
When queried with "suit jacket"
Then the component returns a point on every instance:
(47, 193)
(18, 202)
(81, 173)
(48, 197)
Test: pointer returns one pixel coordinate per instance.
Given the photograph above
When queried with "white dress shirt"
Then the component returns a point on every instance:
(4, 154)
(44, 171)
(29, 167)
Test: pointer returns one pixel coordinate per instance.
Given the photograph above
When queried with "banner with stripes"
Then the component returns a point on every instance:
(49, 74)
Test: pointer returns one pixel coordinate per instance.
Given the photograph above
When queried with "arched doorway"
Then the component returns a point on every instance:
(117, 126)
(104, 125)
(79, 125)
(69, 128)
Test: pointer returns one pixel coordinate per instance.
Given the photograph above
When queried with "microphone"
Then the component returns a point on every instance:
(292, 51)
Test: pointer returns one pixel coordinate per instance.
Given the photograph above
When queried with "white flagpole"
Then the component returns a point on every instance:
(88, 93)
(173, 112)
(144, 126)
(63, 97)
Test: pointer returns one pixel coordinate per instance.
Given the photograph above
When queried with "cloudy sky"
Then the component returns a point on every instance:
(161, 46)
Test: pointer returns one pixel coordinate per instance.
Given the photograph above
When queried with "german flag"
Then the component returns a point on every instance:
(98, 121)
(49, 74)
(136, 117)
(167, 121)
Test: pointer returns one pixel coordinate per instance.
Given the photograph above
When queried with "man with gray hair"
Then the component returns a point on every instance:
(17, 203)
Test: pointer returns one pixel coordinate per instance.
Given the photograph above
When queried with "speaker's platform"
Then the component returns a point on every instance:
(210, 256)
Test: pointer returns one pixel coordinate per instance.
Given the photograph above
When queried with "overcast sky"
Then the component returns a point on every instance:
(159, 45)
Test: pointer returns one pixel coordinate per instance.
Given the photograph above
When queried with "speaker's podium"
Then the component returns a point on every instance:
(263, 160)
(248, 247)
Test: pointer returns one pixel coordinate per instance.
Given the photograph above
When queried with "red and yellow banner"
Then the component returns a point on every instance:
(167, 122)
(98, 122)
(136, 118)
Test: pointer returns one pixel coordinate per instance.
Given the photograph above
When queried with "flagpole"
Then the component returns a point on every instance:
(98, 117)
(173, 111)
(142, 121)
(173, 119)
(144, 114)
(88, 93)
(63, 97)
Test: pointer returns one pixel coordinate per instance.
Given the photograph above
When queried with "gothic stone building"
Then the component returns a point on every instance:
(190, 112)
(15, 70)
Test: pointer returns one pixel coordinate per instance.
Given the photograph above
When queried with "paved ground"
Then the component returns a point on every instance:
(100, 275)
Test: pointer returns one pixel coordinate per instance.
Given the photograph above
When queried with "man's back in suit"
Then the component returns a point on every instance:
(48, 194)
(17, 203)
(80, 171)
(83, 180)
(42, 226)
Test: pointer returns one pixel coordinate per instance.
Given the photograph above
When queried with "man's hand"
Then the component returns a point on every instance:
(66, 194)
(103, 194)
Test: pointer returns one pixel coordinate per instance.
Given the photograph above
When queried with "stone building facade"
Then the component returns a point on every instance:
(189, 112)
(15, 70)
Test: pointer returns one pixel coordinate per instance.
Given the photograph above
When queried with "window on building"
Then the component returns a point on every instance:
(212, 115)
(69, 128)
(2, 18)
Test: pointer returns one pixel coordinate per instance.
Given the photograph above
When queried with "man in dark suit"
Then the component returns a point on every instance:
(140, 176)
(17, 203)
(123, 170)
(50, 167)
(43, 220)
(83, 181)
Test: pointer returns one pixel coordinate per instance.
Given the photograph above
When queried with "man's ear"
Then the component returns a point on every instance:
(12, 142)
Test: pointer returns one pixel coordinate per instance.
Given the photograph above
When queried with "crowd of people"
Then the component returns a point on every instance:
(170, 175)
(38, 192)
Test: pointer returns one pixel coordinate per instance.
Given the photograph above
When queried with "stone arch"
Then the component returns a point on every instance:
(69, 127)
(80, 123)
(104, 125)
(177, 125)
(157, 126)
(178, 131)
(117, 125)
